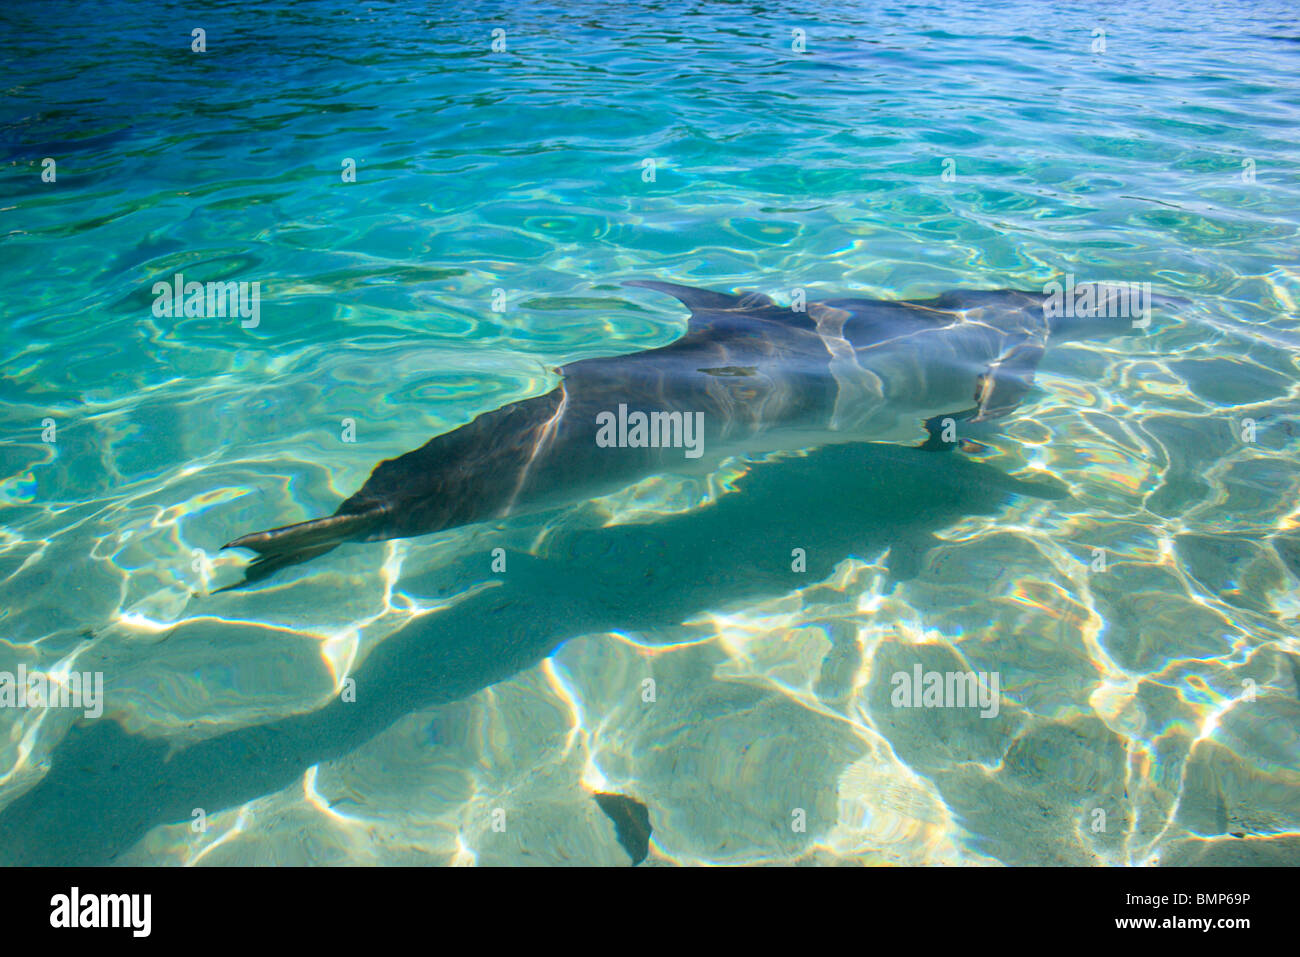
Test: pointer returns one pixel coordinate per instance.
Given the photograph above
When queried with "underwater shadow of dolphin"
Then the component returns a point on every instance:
(748, 376)
(106, 788)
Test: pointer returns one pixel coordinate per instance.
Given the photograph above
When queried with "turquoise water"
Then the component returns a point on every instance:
(1159, 687)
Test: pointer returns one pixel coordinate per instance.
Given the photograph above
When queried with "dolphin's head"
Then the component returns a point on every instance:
(1101, 310)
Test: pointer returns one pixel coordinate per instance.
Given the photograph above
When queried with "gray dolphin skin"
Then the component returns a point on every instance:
(749, 376)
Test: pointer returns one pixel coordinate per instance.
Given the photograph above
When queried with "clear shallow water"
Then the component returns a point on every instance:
(1122, 690)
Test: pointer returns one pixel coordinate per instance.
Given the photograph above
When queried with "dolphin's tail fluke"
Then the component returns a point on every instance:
(291, 544)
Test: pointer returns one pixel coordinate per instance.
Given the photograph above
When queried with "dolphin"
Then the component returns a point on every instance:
(749, 376)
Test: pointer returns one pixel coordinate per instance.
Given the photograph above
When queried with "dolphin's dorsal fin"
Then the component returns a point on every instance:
(722, 316)
(701, 300)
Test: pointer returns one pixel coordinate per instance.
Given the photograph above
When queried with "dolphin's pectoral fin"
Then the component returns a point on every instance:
(998, 391)
(292, 544)
(1006, 382)
(706, 299)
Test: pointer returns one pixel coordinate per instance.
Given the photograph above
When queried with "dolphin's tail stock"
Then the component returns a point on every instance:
(292, 544)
